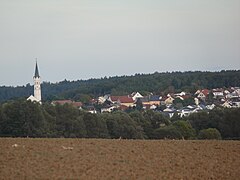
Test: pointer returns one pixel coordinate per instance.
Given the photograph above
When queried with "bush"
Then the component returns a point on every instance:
(169, 132)
(210, 133)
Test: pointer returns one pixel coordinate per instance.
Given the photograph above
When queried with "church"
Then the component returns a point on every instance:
(37, 87)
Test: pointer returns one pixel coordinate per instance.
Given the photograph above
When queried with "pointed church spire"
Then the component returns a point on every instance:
(36, 71)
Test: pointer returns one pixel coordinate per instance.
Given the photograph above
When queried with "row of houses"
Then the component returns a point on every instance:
(199, 101)
(219, 93)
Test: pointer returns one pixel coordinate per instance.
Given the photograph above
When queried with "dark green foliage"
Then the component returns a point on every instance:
(139, 105)
(23, 118)
(65, 120)
(210, 133)
(96, 127)
(168, 132)
(185, 129)
(200, 121)
(154, 120)
(120, 124)
(226, 120)
(177, 130)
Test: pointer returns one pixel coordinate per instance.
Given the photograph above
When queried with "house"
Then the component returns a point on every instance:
(226, 92)
(236, 102)
(211, 106)
(237, 91)
(202, 94)
(150, 100)
(101, 100)
(219, 92)
(169, 100)
(145, 100)
(231, 95)
(169, 111)
(196, 101)
(113, 99)
(154, 100)
(91, 109)
(186, 111)
(180, 94)
(108, 109)
(227, 104)
(153, 107)
(162, 100)
(136, 95)
(126, 101)
(122, 100)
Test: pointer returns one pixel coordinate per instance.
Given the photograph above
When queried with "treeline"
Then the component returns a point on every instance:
(23, 118)
(158, 83)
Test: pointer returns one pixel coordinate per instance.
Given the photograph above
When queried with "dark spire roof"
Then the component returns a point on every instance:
(36, 72)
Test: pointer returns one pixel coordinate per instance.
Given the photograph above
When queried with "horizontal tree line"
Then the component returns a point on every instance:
(23, 118)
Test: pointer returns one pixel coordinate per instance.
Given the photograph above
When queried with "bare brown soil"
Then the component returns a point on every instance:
(118, 159)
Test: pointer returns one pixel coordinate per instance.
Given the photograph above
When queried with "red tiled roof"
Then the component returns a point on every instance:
(186, 96)
(205, 92)
(114, 98)
(125, 99)
(77, 104)
(122, 99)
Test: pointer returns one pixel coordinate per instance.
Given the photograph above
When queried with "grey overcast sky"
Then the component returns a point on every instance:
(82, 39)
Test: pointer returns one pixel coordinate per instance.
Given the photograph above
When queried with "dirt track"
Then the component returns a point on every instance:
(118, 159)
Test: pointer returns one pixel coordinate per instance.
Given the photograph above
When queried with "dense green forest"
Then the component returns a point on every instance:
(158, 83)
(21, 118)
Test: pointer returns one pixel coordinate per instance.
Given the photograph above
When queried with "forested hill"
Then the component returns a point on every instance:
(156, 83)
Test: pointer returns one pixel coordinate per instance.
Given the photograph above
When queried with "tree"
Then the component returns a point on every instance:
(226, 120)
(178, 103)
(154, 120)
(210, 133)
(169, 132)
(185, 129)
(22, 118)
(199, 120)
(66, 120)
(137, 116)
(139, 105)
(120, 124)
(96, 126)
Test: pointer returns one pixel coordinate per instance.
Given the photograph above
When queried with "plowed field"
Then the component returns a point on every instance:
(118, 159)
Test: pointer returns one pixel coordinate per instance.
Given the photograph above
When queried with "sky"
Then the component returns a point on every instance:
(83, 39)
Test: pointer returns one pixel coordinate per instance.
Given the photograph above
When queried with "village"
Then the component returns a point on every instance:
(183, 104)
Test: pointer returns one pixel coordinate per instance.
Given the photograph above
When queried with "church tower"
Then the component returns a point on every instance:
(37, 84)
